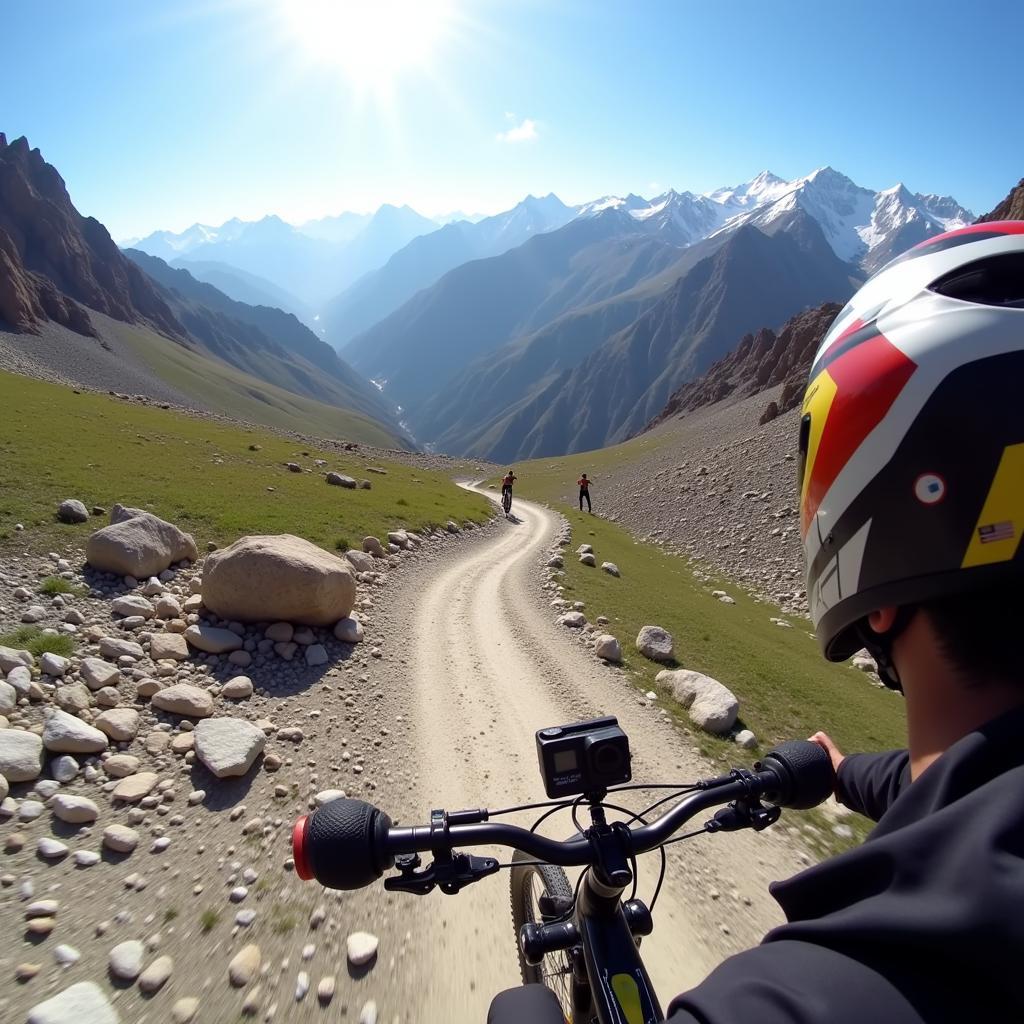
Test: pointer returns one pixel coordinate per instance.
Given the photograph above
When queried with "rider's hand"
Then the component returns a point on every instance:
(834, 753)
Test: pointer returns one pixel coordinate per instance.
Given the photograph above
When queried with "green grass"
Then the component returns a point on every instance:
(194, 472)
(209, 918)
(170, 914)
(58, 585)
(236, 393)
(32, 638)
(785, 687)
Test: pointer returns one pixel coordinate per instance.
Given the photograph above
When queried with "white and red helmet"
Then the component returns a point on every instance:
(912, 434)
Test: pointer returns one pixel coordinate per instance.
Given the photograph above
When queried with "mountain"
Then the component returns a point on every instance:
(483, 304)
(312, 266)
(426, 259)
(1011, 208)
(760, 361)
(265, 342)
(752, 278)
(244, 287)
(56, 264)
(863, 227)
(158, 328)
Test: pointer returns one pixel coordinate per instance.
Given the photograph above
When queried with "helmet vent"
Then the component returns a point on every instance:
(993, 281)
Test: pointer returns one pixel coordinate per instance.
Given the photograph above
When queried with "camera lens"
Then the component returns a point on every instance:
(607, 758)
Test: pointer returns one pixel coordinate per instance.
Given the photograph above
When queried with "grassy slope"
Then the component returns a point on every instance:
(55, 444)
(225, 389)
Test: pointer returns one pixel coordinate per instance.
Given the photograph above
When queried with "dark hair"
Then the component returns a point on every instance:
(980, 633)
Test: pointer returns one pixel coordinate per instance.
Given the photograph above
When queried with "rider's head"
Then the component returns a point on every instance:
(584, 476)
(912, 457)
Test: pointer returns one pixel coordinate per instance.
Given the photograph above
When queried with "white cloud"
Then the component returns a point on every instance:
(526, 131)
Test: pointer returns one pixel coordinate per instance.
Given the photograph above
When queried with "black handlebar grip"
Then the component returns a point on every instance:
(805, 774)
(342, 844)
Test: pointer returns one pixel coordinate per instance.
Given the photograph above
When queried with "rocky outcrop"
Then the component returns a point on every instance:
(760, 361)
(54, 261)
(1011, 208)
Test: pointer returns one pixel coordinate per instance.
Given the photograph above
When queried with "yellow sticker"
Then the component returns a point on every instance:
(626, 992)
(998, 530)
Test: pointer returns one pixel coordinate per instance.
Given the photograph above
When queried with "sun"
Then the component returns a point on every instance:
(373, 42)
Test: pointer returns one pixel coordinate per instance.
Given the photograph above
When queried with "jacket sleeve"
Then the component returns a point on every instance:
(790, 982)
(869, 783)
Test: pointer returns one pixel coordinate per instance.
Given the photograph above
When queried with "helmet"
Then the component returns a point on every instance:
(911, 465)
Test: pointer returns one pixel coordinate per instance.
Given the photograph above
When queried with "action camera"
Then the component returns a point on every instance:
(586, 757)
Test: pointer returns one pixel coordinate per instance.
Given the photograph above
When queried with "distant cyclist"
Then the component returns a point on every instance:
(506, 489)
(584, 492)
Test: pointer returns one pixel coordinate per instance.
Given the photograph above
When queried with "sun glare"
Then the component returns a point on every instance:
(372, 42)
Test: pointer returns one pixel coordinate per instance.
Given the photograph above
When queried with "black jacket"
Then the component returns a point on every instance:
(924, 922)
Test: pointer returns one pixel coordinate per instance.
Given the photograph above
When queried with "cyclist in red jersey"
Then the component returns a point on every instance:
(584, 492)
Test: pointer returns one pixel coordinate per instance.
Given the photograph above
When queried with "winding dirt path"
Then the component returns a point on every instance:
(487, 667)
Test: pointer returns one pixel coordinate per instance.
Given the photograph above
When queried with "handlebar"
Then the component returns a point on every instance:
(348, 844)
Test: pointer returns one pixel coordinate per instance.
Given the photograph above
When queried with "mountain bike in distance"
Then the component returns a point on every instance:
(506, 500)
(580, 942)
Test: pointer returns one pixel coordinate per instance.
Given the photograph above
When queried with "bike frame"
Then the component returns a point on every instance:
(618, 987)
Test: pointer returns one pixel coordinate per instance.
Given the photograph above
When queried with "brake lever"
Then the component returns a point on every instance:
(449, 874)
(750, 813)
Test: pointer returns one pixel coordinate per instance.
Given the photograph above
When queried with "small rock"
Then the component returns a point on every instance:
(325, 990)
(125, 959)
(74, 809)
(134, 787)
(368, 1013)
(361, 948)
(155, 976)
(244, 966)
(120, 838)
(51, 849)
(71, 510)
(184, 1010)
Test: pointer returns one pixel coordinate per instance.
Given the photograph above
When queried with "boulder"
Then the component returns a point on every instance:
(72, 698)
(11, 659)
(71, 510)
(117, 766)
(53, 665)
(115, 647)
(97, 673)
(138, 544)
(228, 746)
(278, 578)
(120, 724)
(20, 680)
(588, 559)
(745, 739)
(238, 688)
(168, 647)
(372, 546)
(655, 643)
(120, 838)
(213, 640)
(21, 755)
(611, 568)
(132, 604)
(711, 705)
(585, 549)
(340, 480)
(75, 810)
(184, 699)
(361, 561)
(8, 698)
(607, 648)
(65, 734)
(574, 620)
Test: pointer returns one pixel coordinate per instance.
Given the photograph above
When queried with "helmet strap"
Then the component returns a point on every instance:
(879, 645)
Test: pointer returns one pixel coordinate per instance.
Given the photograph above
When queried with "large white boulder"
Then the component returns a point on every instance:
(65, 734)
(82, 1003)
(607, 648)
(138, 544)
(279, 578)
(711, 705)
(655, 643)
(228, 746)
(21, 755)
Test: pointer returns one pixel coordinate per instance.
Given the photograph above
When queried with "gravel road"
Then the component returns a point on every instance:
(488, 666)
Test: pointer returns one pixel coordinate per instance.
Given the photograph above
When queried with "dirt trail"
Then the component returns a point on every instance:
(488, 667)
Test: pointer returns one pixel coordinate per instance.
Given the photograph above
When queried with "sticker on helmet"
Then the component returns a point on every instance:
(929, 488)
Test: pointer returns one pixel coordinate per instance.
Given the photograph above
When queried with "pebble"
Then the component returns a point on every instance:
(244, 918)
(125, 959)
(51, 849)
(66, 955)
(155, 976)
(238, 894)
(325, 990)
(26, 972)
(244, 966)
(184, 1010)
(301, 986)
(368, 1013)
(120, 838)
(85, 858)
(361, 948)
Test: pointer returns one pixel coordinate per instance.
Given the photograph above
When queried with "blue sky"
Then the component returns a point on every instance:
(160, 114)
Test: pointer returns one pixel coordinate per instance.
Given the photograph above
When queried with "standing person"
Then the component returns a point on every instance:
(584, 492)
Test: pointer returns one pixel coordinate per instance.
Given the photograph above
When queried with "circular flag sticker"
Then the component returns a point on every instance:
(929, 488)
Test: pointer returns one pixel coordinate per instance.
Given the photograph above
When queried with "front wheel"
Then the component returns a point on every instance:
(531, 883)
(506, 501)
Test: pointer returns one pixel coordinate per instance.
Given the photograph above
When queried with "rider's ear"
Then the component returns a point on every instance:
(881, 619)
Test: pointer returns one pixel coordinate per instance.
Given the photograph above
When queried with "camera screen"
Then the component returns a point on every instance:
(565, 761)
